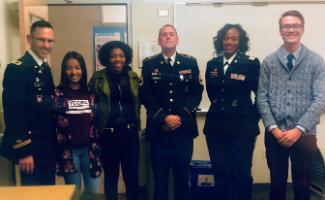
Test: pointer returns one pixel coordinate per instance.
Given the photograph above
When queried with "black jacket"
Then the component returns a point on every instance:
(232, 113)
(169, 90)
(27, 105)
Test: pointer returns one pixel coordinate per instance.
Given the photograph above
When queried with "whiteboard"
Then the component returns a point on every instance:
(198, 24)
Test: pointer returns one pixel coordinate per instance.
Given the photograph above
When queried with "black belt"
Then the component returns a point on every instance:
(119, 127)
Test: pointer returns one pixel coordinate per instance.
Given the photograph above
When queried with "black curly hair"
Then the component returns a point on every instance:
(106, 49)
(243, 38)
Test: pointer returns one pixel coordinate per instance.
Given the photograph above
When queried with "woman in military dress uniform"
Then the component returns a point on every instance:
(231, 124)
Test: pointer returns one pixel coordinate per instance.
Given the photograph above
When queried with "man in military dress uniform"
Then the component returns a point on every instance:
(171, 91)
(28, 87)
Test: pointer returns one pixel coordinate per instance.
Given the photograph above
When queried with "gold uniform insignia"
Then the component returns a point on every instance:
(22, 144)
(16, 62)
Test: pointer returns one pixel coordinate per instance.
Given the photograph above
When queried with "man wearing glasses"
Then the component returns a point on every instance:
(291, 99)
(29, 138)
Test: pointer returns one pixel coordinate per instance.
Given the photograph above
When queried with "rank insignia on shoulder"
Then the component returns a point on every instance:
(16, 62)
(252, 57)
(150, 57)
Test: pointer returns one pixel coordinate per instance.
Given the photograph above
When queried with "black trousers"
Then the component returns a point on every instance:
(232, 162)
(42, 175)
(301, 157)
(120, 148)
(175, 157)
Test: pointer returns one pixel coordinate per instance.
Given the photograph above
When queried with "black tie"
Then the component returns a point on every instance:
(169, 61)
(289, 63)
(44, 65)
(225, 67)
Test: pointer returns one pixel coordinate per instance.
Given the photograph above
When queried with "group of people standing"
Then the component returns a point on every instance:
(84, 128)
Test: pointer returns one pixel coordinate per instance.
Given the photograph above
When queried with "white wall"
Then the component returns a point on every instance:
(9, 34)
(9, 40)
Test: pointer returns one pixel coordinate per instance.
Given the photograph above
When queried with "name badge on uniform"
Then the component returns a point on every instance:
(237, 77)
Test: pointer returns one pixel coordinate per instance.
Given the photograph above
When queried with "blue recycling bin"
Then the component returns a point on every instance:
(202, 180)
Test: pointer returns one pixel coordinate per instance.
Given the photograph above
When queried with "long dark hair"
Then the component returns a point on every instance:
(64, 83)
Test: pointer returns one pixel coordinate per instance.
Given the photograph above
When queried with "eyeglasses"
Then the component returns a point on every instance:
(43, 40)
(288, 27)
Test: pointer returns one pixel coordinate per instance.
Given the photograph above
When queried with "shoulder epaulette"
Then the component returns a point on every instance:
(150, 57)
(219, 56)
(16, 62)
(251, 57)
(187, 56)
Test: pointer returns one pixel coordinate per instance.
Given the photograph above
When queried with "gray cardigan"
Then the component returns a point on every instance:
(290, 98)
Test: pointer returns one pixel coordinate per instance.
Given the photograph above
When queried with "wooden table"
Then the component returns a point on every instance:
(57, 192)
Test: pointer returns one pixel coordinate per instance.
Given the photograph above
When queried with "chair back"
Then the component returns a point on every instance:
(317, 178)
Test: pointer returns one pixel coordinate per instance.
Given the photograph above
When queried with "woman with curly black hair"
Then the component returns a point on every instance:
(118, 117)
(231, 124)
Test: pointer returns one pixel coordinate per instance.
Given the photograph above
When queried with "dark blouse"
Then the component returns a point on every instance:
(122, 105)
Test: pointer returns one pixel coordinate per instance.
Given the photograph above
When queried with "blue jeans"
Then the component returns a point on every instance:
(81, 161)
